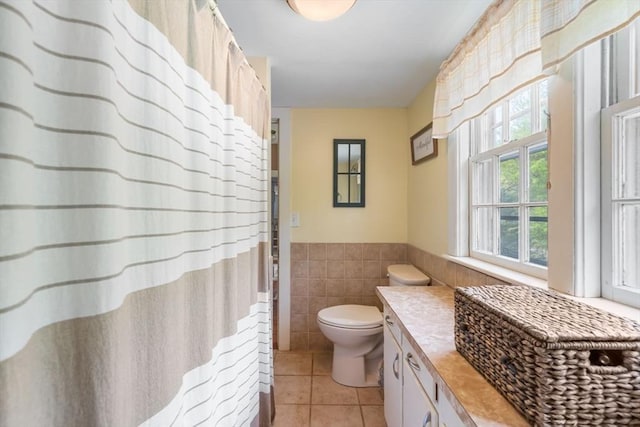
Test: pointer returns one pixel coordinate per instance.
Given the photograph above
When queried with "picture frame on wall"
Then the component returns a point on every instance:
(423, 145)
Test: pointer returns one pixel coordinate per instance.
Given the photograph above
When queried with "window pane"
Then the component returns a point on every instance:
(520, 115)
(495, 127)
(355, 152)
(343, 158)
(354, 188)
(482, 182)
(496, 116)
(543, 89)
(483, 230)
(509, 177)
(520, 127)
(509, 232)
(538, 220)
(520, 103)
(538, 173)
(630, 157)
(630, 230)
(343, 188)
(496, 137)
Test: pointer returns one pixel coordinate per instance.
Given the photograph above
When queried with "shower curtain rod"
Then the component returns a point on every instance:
(215, 10)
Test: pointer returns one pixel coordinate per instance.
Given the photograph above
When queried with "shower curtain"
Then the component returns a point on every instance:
(133, 218)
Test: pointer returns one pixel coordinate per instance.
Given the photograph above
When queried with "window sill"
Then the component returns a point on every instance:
(610, 306)
(517, 278)
(498, 272)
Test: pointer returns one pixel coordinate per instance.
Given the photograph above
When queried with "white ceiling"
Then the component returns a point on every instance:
(381, 53)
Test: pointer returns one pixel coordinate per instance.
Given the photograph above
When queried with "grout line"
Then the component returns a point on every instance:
(312, 363)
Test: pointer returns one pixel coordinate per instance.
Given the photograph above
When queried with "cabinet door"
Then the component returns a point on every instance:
(417, 409)
(392, 380)
(420, 370)
(448, 416)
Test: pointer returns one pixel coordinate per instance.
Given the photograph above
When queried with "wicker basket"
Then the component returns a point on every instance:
(558, 361)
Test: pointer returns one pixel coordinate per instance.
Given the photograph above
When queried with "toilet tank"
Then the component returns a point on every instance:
(406, 275)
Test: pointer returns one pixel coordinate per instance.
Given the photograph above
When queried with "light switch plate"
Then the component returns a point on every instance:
(295, 219)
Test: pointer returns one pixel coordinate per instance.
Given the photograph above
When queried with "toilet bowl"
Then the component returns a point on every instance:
(356, 333)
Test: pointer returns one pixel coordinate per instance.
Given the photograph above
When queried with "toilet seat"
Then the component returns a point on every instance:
(351, 316)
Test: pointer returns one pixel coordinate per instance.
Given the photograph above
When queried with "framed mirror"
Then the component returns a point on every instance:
(348, 173)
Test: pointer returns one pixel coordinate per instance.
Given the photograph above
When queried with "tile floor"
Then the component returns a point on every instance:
(306, 395)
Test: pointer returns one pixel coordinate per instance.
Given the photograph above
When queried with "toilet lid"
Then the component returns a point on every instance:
(407, 274)
(351, 316)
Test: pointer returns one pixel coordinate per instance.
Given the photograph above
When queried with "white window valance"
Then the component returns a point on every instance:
(568, 26)
(513, 44)
(498, 56)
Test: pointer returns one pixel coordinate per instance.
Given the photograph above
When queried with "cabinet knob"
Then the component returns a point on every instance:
(387, 319)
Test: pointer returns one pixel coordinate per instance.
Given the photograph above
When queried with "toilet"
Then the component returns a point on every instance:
(406, 275)
(356, 332)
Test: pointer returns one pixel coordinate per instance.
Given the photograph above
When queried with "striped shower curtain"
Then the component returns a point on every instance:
(133, 218)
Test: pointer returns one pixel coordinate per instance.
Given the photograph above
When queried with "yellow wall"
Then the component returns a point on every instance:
(384, 218)
(427, 184)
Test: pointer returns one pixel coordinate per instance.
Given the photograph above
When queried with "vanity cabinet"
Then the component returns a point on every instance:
(392, 373)
(411, 394)
(422, 324)
(417, 408)
(407, 383)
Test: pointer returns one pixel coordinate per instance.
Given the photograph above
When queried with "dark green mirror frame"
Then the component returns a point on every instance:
(348, 173)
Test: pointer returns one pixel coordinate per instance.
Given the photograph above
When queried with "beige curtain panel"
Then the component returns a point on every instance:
(500, 55)
(568, 26)
(515, 43)
(133, 218)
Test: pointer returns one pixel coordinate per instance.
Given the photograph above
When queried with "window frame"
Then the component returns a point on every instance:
(522, 147)
(620, 94)
(611, 226)
(482, 135)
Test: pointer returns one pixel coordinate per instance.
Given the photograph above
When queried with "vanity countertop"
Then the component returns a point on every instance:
(426, 319)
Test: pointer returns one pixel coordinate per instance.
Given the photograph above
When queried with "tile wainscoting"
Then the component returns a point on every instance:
(328, 274)
(445, 272)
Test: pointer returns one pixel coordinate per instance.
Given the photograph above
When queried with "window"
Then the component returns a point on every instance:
(508, 170)
(621, 201)
(498, 171)
(620, 160)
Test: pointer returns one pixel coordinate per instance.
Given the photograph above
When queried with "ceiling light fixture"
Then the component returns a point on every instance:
(320, 10)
